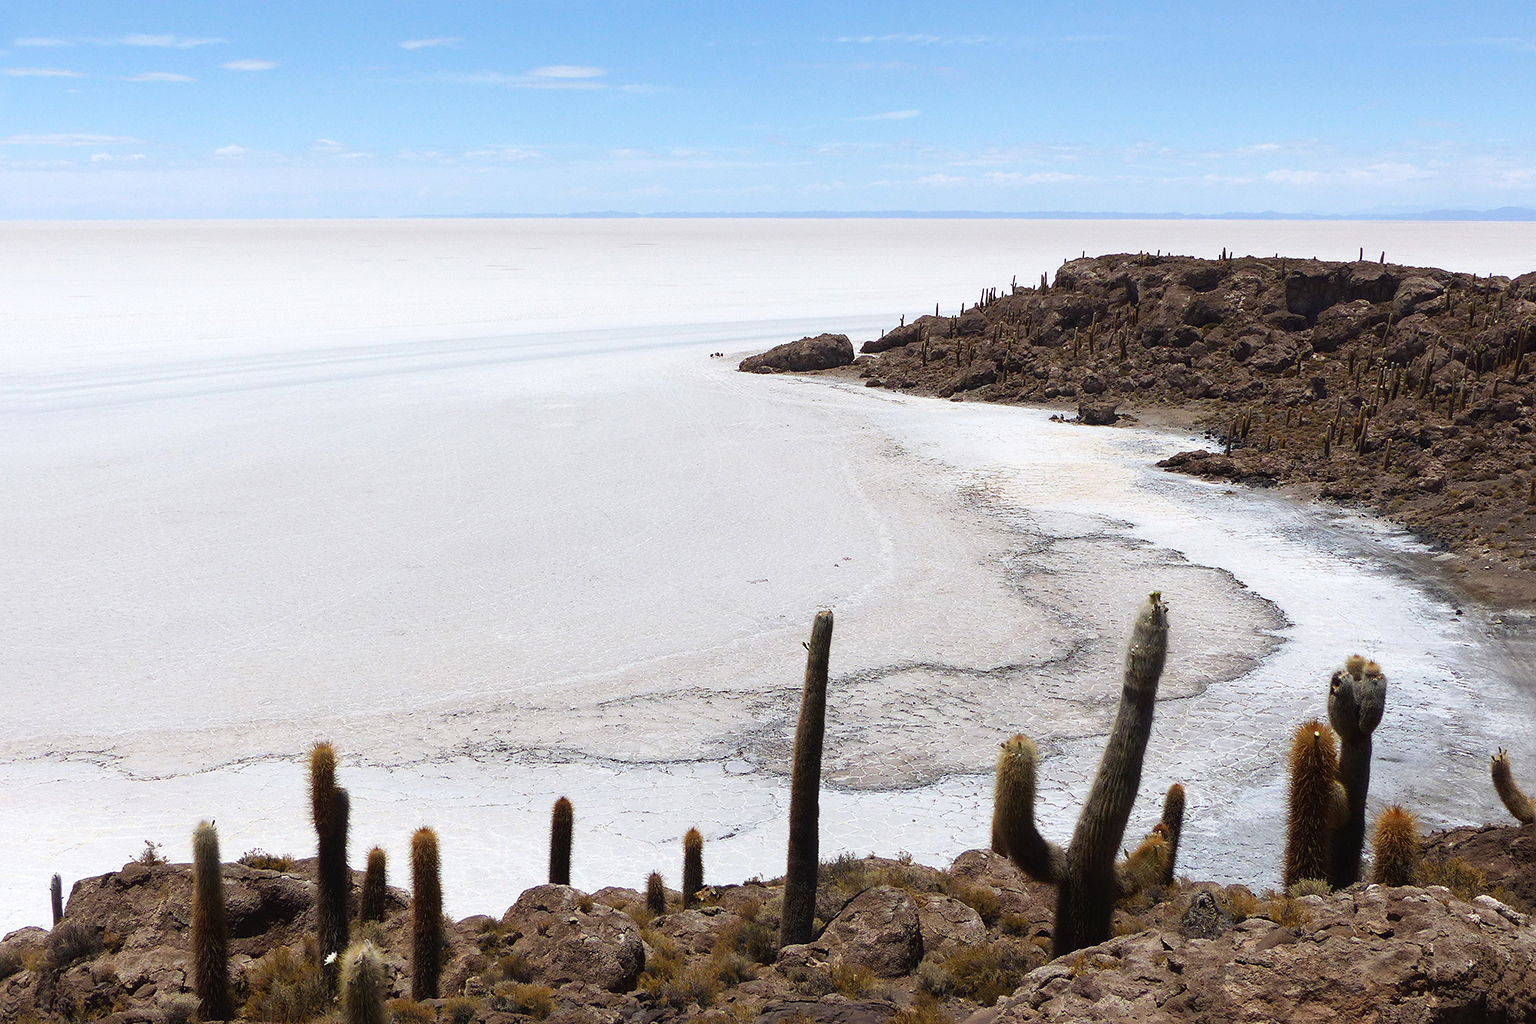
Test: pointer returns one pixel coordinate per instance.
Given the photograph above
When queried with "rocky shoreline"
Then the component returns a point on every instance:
(1407, 391)
(896, 942)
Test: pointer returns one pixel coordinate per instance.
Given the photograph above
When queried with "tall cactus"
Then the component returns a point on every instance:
(798, 918)
(210, 928)
(370, 907)
(363, 987)
(330, 808)
(56, 898)
(655, 894)
(1357, 696)
(693, 867)
(427, 941)
(561, 819)
(1510, 792)
(1317, 804)
(1087, 880)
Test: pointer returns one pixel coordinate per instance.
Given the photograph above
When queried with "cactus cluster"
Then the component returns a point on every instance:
(1087, 879)
(1331, 778)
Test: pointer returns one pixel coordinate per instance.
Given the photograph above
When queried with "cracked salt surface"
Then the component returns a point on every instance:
(498, 570)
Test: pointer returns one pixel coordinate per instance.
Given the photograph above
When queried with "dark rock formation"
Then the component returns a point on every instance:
(823, 352)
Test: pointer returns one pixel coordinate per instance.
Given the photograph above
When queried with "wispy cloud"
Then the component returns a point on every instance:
(41, 41)
(159, 76)
(111, 158)
(249, 65)
(70, 139)
(890, 115)
(230, 152)
(40, 73)
(340, 150)
(417, 44)
(566, 71)
(166, 42)
(914, 37)
(508, 153)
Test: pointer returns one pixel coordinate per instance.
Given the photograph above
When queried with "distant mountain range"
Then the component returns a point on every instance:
(1503, 213)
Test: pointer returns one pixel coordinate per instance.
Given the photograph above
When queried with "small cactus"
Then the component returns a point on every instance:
(1087, 879)
(210, 928)
(798, 917)
(363, 987)
(655, 894)
(371, 904)
(56, 898)
(1396, 848)
(1173, 827)
(561, 819)
(1509, 791)
(1317, 805)
(427, 941)
(693, 867)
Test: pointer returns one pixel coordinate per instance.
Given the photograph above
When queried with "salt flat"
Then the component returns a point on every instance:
(471, 500)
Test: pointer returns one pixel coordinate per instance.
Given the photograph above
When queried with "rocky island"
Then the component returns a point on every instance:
(1408, 391)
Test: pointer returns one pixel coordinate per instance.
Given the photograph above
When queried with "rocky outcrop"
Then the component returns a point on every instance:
(1376, 954)
(565, 936)
(823, 352)
(880, 930)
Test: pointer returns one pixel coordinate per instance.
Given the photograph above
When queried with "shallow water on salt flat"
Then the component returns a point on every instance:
(498, 567)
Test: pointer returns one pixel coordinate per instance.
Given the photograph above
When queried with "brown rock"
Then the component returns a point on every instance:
(1098, 414)
(879, 929)
(563, 943)
(822, 352)
(948, 926)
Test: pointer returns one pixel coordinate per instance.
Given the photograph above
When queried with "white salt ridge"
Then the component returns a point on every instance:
(498, 568)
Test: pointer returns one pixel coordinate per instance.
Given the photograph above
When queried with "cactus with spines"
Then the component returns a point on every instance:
(1395, 848)
(1173, 827)
(1357, 696)
(56, 898)
(693, 867)
(1317, 806)
(427, 941)
(329, 809)
(1088, 881)
(363, 987)
(210, 928)
(655, 894)
(798, 917)
(561, 820)
(371, 904)
(1510, 792)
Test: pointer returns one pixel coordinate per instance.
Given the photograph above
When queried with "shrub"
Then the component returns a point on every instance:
(924, 1010)
(264, 861)
(1016, 924)
(1464, 880)
(460, 1009)
(178, 1009)
(983, 973)
(72, 941)
(150, 855)
(978, 897)
(409, 1011)
(287, 988)
(934, 980)
(853, 980)
(536, 1001)
(1309, 887)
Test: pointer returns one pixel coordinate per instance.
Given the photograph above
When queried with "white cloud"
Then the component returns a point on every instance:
(105, 158)
(38, 41)
(417, 44)
(502, 153)
(915, 38)
(167, 42)
(892, 115)
(158, 76)
(231, 151)
(942, 180)
(566, 71)
(66, 139)
(40, 73)
(249, 65)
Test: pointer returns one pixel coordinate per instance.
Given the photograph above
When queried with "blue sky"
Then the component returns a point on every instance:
(219, 109)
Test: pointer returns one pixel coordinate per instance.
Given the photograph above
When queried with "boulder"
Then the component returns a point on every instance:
(880, 929)
(948, 926)
(1098, 414)
(564, 943)
(1416, 294)
(822, 352)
